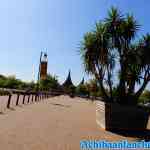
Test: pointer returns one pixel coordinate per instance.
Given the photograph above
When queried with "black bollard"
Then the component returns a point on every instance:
(9, 100)
(35, 98)
(32, 97)
(17, 102)
(28, 98)
(23, 99)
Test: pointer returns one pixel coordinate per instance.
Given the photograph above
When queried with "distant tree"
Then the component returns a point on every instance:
(71, 90)
(2, 77)
(82, 90)
(93, 88)
(51, 82)
(12, 82)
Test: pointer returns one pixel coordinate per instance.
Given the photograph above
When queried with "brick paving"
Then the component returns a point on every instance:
(58, 123)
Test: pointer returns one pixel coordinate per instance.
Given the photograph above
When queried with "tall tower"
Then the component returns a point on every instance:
(43, 66)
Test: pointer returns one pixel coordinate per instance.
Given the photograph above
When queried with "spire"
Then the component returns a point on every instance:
(68, 81)
(82, 82)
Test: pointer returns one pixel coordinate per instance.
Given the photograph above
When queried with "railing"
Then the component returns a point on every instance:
(32, 96)
(28, 96)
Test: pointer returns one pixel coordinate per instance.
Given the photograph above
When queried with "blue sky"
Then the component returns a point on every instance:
(29, 26)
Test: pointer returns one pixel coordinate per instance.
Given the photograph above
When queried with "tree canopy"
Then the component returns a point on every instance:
(51, 82)
(13, 83)
(111, 51)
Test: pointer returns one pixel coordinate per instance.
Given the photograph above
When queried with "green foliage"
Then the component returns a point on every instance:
(2, 93)
(12, 83)
(93, 88)
(145, 97)
(82, 90)
(51, 82)
(9, 82)
(115, 92)
(69, 89)
(110, 44)
(72, 89)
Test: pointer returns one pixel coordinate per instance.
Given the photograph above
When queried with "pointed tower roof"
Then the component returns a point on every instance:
(68, 81)
(82, 82)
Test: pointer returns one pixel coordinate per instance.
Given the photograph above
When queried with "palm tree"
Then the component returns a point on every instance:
(112, 44)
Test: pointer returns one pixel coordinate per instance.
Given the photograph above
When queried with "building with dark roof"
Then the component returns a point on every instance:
(68, 81)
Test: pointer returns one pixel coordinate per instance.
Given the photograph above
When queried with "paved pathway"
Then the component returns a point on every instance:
(58, 123)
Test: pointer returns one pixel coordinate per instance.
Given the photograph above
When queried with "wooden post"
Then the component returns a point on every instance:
(28, 98)
(36, 98)
(9, 100)
(17, 102)
(23, 99)
(32, 97)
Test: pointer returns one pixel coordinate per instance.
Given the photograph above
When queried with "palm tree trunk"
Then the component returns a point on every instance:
(131, 87)
(106, 97)
(140, 91)
(121, 87)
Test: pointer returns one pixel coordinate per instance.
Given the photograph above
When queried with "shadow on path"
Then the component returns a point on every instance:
(2, 113)
(139, 135)
(11, 108)
(61, 105)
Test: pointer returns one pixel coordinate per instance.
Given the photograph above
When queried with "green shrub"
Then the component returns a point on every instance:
(82, 90)
(51, 82)
(145, 97)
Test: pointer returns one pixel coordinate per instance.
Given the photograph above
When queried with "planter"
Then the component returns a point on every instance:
(112, 116)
